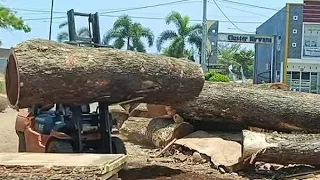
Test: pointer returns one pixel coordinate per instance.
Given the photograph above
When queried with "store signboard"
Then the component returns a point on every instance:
(311, 41)
(245, 38)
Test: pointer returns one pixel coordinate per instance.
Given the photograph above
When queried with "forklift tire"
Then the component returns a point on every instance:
(118, 146)
(22, 142)
(60, 146)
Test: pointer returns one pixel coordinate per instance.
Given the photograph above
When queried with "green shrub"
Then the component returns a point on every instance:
(216, 77)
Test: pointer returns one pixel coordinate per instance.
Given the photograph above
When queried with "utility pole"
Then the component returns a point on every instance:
(204, 35)
(50, 28)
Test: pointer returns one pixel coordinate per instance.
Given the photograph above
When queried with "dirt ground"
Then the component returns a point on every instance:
(139, 165)
(8, 137)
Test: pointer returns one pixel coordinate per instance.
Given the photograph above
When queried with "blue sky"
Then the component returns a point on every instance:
(193, 8)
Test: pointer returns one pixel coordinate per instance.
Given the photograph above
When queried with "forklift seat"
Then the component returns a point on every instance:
(85, 109)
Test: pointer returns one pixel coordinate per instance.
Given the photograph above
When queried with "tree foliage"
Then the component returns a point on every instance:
(64, 35)
(185, 34)
(8, 20)
(233, 54)
(129, 34)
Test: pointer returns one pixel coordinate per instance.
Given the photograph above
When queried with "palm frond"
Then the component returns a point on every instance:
(195, 39)
(63, 24)
(196, 28)
(176, 18)
(63, 36)
(111, 34)
(84, 32)
(164, 36)
(138, 45)
(177, 47)
(123, 22)
(119, 43)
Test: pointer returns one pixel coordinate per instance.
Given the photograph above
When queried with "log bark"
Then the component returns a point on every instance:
(154, 131)
(261, 106)
(41, 71)
(281, 148)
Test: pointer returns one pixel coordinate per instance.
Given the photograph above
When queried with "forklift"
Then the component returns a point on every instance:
(62, 128)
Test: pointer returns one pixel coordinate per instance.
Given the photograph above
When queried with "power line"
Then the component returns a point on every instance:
(229, 19)
(248, 5)
(250, 12)
(145, 17)
(111, 10)
(144, 7)
(36, 10)
(37, 19)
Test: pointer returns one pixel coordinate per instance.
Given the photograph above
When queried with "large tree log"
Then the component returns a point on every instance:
(254, 105)
(281, 148)
(154, 131)
(42, 71)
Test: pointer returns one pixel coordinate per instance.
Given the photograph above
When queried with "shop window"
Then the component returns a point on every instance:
(295, 75)
(305, 76)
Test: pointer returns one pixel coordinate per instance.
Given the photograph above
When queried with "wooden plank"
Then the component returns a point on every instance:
(93, 166)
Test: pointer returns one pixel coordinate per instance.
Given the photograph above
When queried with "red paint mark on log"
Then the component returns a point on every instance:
(70, 61)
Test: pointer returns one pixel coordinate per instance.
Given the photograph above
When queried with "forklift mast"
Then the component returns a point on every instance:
(93, 27)
(93, 41)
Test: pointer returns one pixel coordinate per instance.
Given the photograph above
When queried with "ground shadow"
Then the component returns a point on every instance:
(147, 172)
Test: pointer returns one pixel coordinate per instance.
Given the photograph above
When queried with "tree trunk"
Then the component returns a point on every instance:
(254, 105)
(42, 71)
(282, 148)
(154, 132)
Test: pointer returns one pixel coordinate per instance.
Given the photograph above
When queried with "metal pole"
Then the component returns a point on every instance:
(50, 29)
(204, 35)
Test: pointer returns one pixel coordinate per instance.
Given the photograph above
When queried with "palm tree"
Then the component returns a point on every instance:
(186, 33)
(64, 35)
(126, 33)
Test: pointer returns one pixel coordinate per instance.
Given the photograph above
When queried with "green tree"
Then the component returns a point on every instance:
(129, 34)
(64, 35)
(8, 20)
(245, 58)
(186, 33)
(233, 54)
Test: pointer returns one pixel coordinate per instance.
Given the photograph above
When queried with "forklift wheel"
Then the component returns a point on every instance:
(60, 146)
(22, 142)
(118, 146)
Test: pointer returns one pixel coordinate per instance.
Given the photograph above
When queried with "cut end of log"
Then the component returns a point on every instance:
(252, 142)
(13, 80)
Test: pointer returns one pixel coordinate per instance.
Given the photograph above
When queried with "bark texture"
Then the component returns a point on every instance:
(254, 105)
(41, 71)
(154, 131)
(282, 148)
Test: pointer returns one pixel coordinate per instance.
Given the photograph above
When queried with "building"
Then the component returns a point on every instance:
(295, 57)
(4, 54)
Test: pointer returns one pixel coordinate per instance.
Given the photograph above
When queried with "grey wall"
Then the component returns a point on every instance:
(295, 10)
(276, 26)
